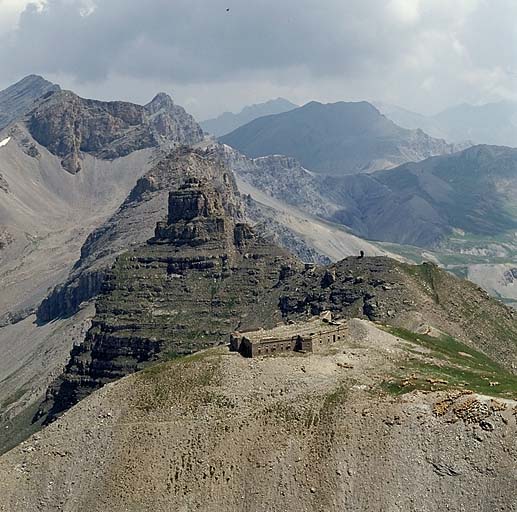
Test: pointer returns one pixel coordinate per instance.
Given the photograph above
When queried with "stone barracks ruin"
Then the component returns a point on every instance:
(310, 336)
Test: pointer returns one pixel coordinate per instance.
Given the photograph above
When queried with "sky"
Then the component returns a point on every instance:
(219, 55)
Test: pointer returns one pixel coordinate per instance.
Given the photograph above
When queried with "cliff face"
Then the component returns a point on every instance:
(201, 276)
(68, 126)
(133, 224)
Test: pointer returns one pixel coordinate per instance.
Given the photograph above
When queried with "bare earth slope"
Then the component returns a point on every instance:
(47, 213)
(217, 432)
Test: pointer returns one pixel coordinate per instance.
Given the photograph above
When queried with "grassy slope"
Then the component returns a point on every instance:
(446, 363)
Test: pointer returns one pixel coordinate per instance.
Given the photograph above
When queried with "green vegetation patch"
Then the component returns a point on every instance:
(183, 381)
(448, 364)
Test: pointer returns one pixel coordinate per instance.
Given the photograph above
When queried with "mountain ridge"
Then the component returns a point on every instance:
(17, 99)
(336, 138)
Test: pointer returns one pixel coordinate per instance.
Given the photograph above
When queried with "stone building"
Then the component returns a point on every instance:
(311, 336)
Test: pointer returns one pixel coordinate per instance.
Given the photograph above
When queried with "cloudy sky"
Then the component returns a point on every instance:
(217, 55)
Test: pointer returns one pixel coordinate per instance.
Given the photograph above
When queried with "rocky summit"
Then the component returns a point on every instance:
(203, 274)
(18, 99)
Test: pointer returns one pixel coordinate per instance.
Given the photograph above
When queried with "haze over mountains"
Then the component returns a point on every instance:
(336, 139)
(228, 121)
(491, 123)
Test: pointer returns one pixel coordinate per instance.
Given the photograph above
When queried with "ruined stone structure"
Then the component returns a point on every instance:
(310, 336)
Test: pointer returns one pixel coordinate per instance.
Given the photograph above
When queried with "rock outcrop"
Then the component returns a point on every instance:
(133, 224)
(203, 275)
(69, 126)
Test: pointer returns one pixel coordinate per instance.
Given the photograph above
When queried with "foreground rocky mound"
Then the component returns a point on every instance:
(218, 432)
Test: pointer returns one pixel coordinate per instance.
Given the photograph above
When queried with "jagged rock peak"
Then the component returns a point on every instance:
(196, 214)
(192, 200)
(135, 223)
(162, 101)
(70, 126)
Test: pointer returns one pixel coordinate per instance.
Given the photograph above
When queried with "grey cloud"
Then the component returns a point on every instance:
(442, 51)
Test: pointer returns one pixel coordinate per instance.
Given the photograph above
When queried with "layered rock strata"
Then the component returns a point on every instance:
(203, 275)
(69, 126)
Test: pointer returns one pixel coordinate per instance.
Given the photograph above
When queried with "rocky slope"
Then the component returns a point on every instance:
(204, 263)
(456, 211)
(285, 204)
(309, 238)
(132, 224)
(69, 126)
(336, 139)
(18, 99)
(421, 203)
(309, 432)
(32, 358)
(46, 212)
(225, 421)
(228, 121)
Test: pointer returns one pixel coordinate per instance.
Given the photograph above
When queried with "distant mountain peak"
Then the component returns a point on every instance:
(490, 123)
(335, 138)
(162, 101)
(229, 121)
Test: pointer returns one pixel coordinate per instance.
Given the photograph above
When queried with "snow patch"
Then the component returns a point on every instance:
(5, 142)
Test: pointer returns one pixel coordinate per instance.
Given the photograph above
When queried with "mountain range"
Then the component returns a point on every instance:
(491, 123)
(132, 246)
(335, 139)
